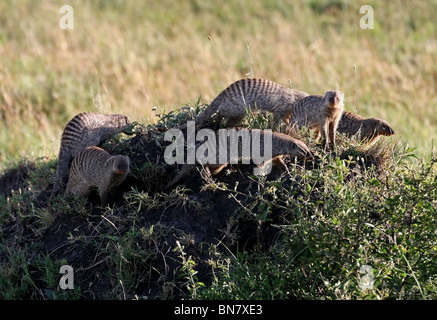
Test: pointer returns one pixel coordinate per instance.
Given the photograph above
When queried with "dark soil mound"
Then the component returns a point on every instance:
(15, 178)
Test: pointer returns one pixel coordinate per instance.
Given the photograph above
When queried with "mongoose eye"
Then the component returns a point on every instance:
(389, 130)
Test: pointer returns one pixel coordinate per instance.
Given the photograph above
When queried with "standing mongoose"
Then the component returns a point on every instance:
(85, 129)
(281, 144)
(366, 130)
(94, 168)
(250, 95)
(321, 113)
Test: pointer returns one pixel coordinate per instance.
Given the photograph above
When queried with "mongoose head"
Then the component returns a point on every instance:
(121, 120)
(120, 165)
(301, 151)
(334, 98)
(382, 127)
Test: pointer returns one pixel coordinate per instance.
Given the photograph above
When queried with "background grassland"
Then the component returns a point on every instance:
(129, 56)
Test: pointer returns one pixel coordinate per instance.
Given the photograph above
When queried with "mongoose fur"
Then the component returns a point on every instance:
(94, 168)
(282, 144)
(321, 113)
(85, 129)
(366, 130)
(250, 95)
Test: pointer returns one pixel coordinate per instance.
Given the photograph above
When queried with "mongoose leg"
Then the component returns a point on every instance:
(277, 120)
(325, 135)
(234, 121)
(332, 130)
(215, 169)
(104, 197)
(205, 174)
(318, 134)
(217, 121)
(279, 163)
(74, 187)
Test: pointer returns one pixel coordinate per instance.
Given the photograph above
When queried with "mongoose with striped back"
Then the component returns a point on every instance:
(94, 168)
(85, 129)
(321, 113)
(250, 95)
(366, 130)
(281, 144)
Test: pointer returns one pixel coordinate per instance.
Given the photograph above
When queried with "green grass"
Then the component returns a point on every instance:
(304, 234)
(331, 228)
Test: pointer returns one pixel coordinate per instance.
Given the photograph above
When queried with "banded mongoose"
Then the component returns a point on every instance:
(366, 130)
(250, 95)
(321, 113)
(94, 168)
(281, 144)
(85, 129)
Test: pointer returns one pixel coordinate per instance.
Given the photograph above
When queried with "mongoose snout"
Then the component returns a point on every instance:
(334, 97)
(121, 165)
(385, 129)
(303, 152)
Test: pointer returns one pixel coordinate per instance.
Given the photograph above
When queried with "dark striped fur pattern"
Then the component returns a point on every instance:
(85, 129)
(251, 95)
(94, 168)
